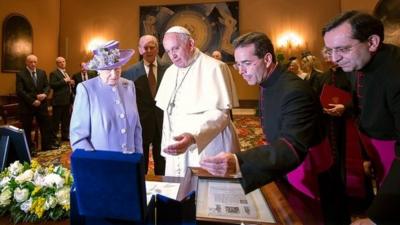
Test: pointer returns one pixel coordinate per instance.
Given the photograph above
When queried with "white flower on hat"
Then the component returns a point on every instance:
(106, 57)
(109, 56)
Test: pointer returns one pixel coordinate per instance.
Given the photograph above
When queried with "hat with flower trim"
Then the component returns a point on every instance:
(109, 56)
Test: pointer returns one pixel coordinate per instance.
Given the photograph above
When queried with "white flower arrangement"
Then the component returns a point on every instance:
(32, 193)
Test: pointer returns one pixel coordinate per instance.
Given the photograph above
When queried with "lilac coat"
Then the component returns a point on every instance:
(106, 117)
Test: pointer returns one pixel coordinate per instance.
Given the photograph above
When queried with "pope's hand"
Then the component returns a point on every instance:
(182, 142)
(222, 164)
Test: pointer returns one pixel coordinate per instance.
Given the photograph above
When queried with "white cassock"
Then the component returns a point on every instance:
(197, 100)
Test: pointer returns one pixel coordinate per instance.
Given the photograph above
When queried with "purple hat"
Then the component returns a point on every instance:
(109, 56)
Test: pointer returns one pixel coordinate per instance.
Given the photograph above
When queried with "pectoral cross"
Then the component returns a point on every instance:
(170, 107)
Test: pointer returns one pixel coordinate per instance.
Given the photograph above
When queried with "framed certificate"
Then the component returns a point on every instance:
(224, 200)
(221, 200)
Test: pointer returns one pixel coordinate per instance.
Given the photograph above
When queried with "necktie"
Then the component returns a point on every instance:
(84, 76)
(34, 77)
(152, 80)
(69, 84)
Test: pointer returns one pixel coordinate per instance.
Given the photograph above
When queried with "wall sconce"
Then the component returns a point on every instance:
(290, 40)
(289, 43)
(94, 43)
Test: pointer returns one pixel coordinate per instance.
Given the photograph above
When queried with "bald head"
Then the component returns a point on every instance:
(60, 62)
(31, 62)
(148, 48)
(216, 55)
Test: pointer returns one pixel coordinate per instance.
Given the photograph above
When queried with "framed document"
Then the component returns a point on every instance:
(224, 200)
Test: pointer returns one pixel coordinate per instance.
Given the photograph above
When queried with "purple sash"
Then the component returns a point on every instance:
(319, 159)
(382, 154)
(304, 177)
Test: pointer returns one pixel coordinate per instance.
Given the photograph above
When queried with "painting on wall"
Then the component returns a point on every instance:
(388, 12)
(213, 25)
(17, 42)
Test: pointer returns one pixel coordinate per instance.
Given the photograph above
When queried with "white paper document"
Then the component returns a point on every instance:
(226, 200)
(169, 190)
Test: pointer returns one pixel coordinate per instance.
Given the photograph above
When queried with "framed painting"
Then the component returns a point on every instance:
(388, 12)
(17, 42)
(213, 25)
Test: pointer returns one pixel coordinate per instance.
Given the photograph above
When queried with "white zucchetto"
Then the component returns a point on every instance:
(178, 29)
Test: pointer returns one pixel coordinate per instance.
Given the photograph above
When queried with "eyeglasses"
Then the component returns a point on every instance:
(245, 64)
(343, 50)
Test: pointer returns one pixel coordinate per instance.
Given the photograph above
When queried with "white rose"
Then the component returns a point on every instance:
(4, 182)
(16, 168)
(62, 196)
(38, 180)
(5, 197)
(52, 179)
(50, 203)
(26, 206)
(21, 195)
(24, 177)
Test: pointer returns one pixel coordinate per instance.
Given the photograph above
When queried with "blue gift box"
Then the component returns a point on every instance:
(109, 186)
(167, 211)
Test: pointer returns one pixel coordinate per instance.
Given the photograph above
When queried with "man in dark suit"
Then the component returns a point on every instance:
(83, 75)
(62, 86)
(147, 75)
(32, 89)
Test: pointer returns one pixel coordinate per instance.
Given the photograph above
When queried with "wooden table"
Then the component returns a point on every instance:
(277, 201)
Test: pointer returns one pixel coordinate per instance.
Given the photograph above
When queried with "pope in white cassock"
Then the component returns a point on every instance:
(196, 94)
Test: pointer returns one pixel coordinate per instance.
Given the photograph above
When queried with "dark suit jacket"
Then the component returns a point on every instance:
(61, 90)
(148, 111)
(77, 77)
(291, 121)
(27, 91)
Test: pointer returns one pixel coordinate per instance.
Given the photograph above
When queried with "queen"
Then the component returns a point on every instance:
(105, 115)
